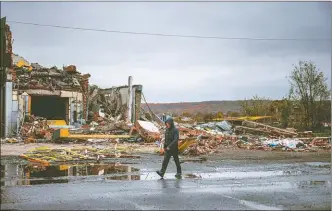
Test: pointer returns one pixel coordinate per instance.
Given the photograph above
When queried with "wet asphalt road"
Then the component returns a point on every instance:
(208, 185)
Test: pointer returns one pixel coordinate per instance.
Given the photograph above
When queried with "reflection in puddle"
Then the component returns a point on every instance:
(125, 177)
(34, 174)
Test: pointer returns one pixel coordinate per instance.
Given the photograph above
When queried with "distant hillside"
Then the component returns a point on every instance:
(194, 107)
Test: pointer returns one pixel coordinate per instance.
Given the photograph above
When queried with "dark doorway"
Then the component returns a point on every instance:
(50, 107)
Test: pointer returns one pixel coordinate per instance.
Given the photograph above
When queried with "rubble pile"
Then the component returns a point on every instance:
(321, 143)
(40, 77)
(46, 155)
(36, 128)
(148, 131)
(259, 128)
(207, 131)
(204, 147)
(111, 104)
(11, 140)
(105, 125)
(215, 136)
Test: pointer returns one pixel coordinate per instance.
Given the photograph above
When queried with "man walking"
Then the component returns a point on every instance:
(171, 148)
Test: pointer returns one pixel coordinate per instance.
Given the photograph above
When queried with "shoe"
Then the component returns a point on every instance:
(160, 174)
(178, 176)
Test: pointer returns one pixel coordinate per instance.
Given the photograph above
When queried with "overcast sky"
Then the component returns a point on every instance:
(173, 69)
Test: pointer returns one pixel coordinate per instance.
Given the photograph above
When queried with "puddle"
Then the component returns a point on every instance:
(314, 184)
(33, 174)
(36, 174)
(258, 206)
(223, 175)
(319, 164)
(192, 176)
(124, 177)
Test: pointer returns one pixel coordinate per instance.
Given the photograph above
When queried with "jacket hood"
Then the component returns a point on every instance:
(170, 121)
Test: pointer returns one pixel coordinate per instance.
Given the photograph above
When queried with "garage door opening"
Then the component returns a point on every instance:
(50, 107)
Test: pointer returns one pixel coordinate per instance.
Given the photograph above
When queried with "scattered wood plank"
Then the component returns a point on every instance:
(266, 128)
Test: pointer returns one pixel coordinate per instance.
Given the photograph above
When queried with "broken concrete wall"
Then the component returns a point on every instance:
(18, 101)
(85, 91)
(114, 102)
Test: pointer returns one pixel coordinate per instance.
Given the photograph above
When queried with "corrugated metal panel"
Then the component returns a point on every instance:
(224, 125)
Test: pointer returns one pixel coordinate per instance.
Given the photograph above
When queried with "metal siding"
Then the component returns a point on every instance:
(14, 117)
(15, 105)
(8, 106)
(14, 127)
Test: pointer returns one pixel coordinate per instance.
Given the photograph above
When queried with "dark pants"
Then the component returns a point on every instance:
(167, 156)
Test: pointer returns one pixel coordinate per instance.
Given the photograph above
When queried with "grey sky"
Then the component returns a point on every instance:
(177, 69)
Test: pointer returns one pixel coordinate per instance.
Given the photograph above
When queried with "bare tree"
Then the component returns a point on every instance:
(310, 91)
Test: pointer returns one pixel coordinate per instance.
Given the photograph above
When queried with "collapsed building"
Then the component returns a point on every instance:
(63, 94)
(121, 103)
(29, 89)
(52, 93)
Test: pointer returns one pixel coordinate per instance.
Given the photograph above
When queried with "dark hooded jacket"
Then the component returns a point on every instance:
(171, 136)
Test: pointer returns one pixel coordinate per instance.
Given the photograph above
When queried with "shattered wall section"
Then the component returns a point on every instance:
(9, 50)
(137, 102)
(85, 91)
(114, 102)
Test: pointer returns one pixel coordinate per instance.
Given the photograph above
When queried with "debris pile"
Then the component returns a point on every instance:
(323, 142)
(36, 128)
(108, 126)
(259, 128)
(46, 78)
(47, 156)
(148, 131)
(284, 143)
(110, 103)
(11, 140)
(203, 147)
(252, 136)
